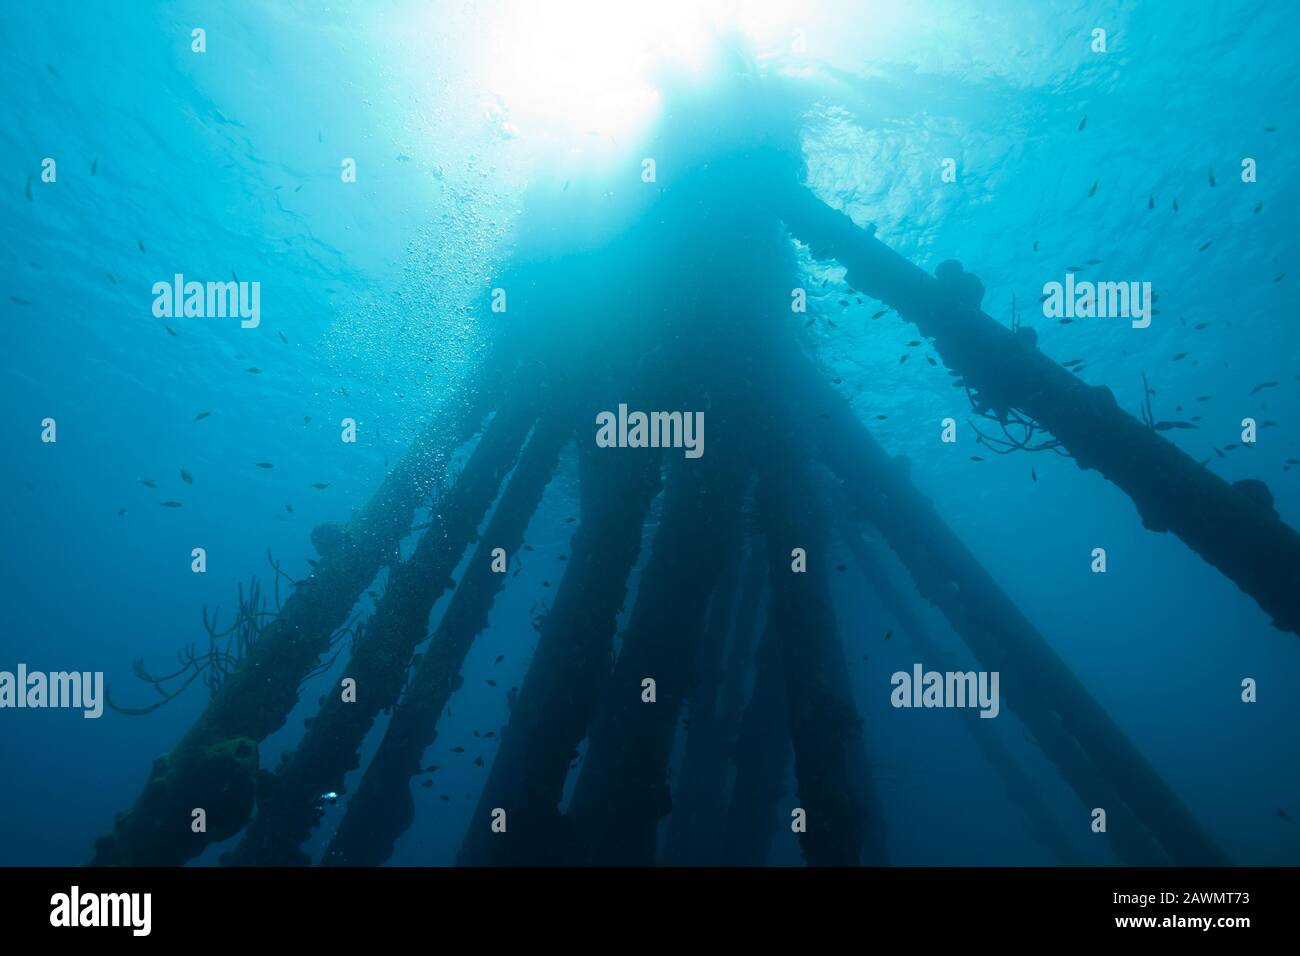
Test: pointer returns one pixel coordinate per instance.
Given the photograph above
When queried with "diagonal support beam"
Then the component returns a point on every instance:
(1241, 536)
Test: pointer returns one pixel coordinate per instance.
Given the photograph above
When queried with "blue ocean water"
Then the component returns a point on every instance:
(231, 163)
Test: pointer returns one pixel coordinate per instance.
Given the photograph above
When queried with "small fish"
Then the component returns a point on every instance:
(490, 683)
(201, 415)
(314, 564)
(1071, 363)
(170, 330)
(1175, 204)
(403, 158)
(186, 477)
(1093, 262)
(888, 635)
(111, 278)
(121, 512)
(1074, 268)
(171, 504)
(808, 323)
(914, 343)
(1180, 356)
(265, 464)
(976, 458)
(1033, 474)
(1211, 179)
(931, 361)
(288, 507)
(902, 359)
(844, 302)
(1263, 385)
(1151, 200)
(1202, 398)
(1035, 245)
(1167, 426)
(1064, 321)
(881, 418)
(444, 798)
(1093, 190)
(478, 761)
(282, 338)
(19, 300)
(428, 784)
(880, 313)
(233, 275)
(306, 419)
(254, 369)
(1270, 129)
(500, 658)
(94, 166)
(1206, 246)
(1199, 326)
(1279, 277)
(1282, 813)
(148, 483)
(297, 188)
(321, 485)
(140, 242)
(53, 72)
(458, 750)
(1083, 122)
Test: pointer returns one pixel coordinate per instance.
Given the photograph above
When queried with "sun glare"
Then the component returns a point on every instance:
(581, 73)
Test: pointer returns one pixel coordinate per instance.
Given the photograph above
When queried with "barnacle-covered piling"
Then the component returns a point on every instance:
(288, 809)
(569, 667)
(381, 810)
(622, 790)
(762, 757)
(698, 805)
(841, 819)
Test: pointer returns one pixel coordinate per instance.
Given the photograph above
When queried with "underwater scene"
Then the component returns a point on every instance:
(686, 434)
